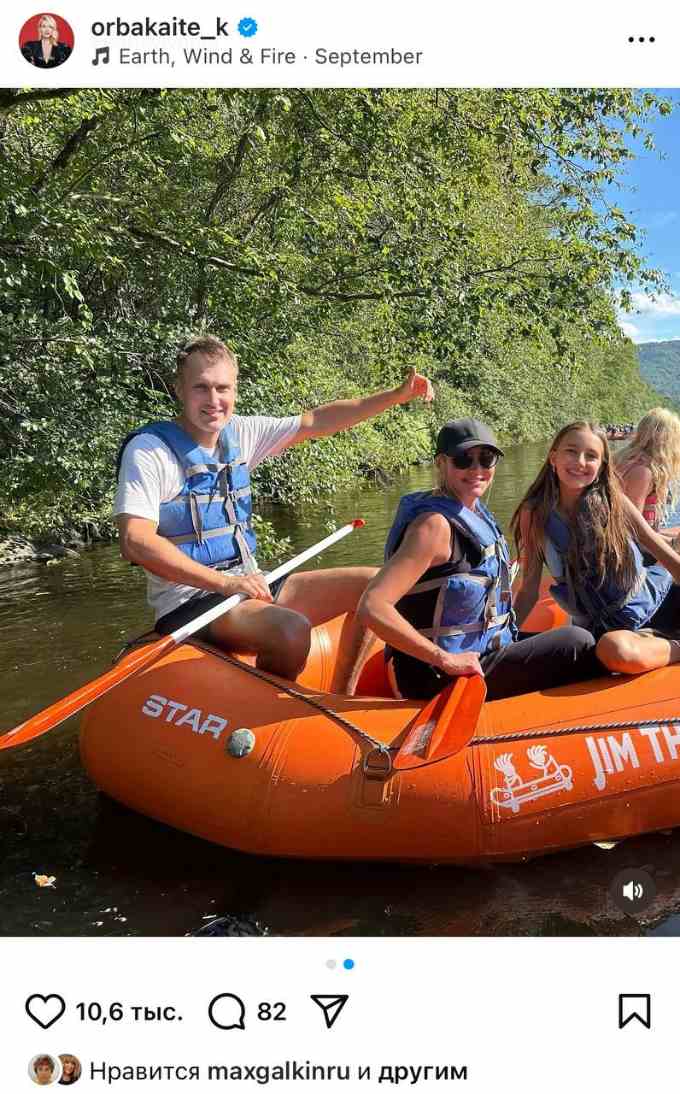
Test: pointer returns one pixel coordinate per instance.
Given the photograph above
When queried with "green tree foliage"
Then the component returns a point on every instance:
(333, 237)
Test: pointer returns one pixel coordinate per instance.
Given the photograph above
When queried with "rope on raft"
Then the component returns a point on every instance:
(518, 735)
(380, 746)
(531, 734)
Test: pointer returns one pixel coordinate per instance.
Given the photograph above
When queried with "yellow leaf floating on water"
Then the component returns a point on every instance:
(44, 882)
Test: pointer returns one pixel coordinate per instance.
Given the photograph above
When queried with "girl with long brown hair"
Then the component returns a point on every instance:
(576, 519)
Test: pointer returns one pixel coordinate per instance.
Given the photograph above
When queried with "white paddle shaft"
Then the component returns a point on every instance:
(182, 633)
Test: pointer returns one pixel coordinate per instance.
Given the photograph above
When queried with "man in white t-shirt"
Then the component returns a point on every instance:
(181, 588)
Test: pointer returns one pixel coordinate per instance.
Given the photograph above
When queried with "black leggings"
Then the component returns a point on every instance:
(535, 661)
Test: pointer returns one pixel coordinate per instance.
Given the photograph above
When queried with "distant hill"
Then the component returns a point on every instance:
(660, 367)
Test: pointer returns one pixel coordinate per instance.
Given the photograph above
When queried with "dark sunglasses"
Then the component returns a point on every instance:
(485, 458)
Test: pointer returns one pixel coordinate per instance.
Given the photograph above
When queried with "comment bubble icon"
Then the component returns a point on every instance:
(227, 1011)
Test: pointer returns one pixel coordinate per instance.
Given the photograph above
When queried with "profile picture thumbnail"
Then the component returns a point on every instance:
(45, 1070)
(71, 1069)
(46, 40)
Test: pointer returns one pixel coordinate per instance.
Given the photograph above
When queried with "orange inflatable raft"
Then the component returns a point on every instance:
(199, 742)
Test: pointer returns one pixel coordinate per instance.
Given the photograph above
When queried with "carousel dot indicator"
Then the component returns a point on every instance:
(331, 964)
(348, 963)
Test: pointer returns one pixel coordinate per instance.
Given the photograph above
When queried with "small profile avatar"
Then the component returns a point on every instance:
(71, 1069)
(46, 40)
(44, 1070)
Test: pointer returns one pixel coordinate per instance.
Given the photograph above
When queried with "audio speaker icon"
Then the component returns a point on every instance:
(633, 890)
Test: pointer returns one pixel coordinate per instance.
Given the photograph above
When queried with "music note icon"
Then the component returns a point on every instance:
(103, 52)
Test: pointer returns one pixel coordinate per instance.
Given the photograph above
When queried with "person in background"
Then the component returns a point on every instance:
(442, 602)
(649, 468)
(576, 519)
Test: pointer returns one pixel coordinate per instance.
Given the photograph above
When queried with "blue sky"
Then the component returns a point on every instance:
(654, 205)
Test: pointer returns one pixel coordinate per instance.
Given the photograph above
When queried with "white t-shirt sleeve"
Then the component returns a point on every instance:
(260, 437)
(149, 474)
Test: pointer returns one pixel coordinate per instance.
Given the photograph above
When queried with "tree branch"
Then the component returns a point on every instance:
(10, 98)
(316, 114)
(69, 150)
(270, 203)
(234, 169)
(251, 271)
(224, 183)
(169, 244)
(348, 297)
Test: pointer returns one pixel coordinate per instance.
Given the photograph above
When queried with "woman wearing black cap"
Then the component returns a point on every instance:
(442, 602)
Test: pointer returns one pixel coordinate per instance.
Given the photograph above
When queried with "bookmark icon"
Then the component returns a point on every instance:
(635, 1008)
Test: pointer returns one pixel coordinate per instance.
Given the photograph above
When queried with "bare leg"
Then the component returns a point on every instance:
(631, 653)
(322, 595)
(278, 636)
(348, 669)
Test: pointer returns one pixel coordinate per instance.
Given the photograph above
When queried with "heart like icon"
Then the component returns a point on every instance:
(45, 1010)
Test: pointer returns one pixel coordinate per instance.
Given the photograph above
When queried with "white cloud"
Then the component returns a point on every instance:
(664, 303)
(630, 330)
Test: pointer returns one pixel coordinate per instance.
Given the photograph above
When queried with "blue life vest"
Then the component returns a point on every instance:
(606, 607)
(464, 605)
(210, 519)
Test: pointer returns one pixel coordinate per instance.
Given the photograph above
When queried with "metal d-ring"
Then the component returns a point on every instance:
(378, 763)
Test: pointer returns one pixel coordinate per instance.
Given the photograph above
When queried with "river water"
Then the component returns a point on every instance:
(120, 874)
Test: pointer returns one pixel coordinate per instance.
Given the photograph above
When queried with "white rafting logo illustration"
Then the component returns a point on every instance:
(516, 792)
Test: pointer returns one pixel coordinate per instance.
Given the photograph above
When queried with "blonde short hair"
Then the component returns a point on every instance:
(209, 346)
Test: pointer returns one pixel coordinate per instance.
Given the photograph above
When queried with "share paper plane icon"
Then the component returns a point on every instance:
(331, 1005)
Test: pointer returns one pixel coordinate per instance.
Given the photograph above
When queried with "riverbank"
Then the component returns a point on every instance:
(18, 550)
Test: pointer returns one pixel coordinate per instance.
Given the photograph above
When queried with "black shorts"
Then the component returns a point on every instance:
(196, 605)
(665, 623)
(535, 661)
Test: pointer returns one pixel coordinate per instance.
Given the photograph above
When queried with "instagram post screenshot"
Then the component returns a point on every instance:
(339, 546)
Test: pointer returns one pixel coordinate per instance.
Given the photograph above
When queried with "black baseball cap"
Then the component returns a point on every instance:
(465, 433)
